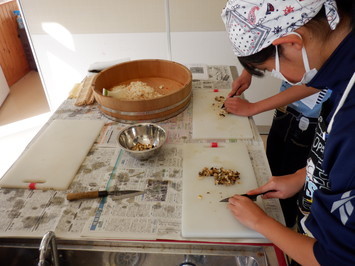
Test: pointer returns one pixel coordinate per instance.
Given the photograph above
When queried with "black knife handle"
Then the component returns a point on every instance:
(253, 197)
(102, 193)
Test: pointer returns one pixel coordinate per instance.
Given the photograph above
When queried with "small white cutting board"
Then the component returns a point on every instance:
(203, 215)
(208, 124)
(53, 159)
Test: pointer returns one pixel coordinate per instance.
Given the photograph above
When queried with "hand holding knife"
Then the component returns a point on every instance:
(231, 96)
(240, 84)
(252, 197)
(103, 193)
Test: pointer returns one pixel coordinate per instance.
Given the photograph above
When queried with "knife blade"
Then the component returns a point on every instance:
(252, 197)
(103, 193)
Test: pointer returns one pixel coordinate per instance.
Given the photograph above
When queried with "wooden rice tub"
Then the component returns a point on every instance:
(174, 78)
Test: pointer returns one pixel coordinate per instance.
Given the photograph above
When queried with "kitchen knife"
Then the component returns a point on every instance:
(103, 193)
(252, 197)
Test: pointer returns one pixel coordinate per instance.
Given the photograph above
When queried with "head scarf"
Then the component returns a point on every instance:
(253, 25)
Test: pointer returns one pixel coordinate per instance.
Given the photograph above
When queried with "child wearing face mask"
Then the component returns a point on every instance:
(322, 55)
(292, 130)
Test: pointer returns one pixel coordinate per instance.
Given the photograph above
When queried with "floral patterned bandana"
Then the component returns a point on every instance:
(253, 25)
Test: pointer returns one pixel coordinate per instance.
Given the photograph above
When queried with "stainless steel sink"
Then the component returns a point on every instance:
(28, 257)
(107, 253)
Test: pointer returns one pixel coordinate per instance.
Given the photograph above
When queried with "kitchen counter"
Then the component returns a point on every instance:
(130, 225)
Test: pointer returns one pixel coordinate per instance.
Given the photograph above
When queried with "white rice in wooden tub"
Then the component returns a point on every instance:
(136, 90)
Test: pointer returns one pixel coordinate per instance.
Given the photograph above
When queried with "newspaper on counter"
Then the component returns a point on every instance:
(154, 215)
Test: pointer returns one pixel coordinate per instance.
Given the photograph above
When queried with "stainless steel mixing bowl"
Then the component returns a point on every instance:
(143, 133)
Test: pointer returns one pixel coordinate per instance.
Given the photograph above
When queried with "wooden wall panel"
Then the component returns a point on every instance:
(12, 55)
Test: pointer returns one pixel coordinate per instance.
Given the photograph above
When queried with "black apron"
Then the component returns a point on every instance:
(316, 178)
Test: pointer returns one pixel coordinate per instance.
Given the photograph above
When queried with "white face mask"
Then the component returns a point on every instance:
(308, 75)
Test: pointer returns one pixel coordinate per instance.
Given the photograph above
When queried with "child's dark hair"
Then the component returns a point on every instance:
(345, 8)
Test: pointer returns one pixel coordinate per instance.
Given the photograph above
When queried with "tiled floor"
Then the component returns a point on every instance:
(23, 113)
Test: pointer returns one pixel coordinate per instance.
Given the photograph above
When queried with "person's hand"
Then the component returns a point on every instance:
(283, 186)
(250, 214)
(240, 84)
(246, 211)
(239, 106)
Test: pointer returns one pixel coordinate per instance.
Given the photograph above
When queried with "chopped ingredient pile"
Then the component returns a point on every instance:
(218, 102)
(142, 147)
(221, 176)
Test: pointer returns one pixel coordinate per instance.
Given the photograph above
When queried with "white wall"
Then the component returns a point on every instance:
(4, 87)
(68, 36)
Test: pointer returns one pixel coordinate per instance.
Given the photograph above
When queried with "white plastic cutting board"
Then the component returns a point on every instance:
(206, 217)
(52, 161)
(207, 124)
